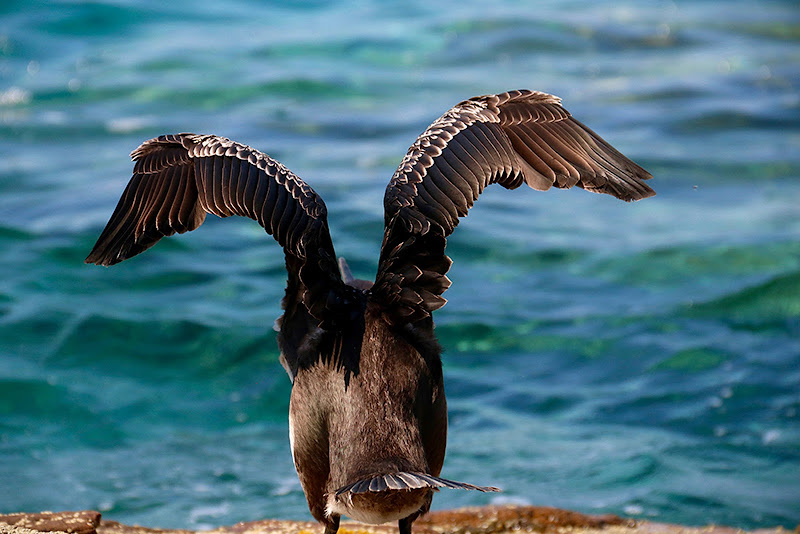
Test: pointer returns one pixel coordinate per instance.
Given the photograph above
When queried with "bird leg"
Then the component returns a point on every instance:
(333, 526)
(405, 524)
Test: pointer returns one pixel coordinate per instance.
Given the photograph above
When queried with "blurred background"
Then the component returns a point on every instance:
(641, 359)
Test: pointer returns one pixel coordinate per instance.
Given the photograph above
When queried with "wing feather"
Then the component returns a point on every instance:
(510, 138)
(459, 173)
(461, 158)
(435, 186)
(249, 194)
(448, 181)
(162, 217)
(177, 179)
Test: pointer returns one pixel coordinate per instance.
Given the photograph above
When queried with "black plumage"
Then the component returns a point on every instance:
(368, 417)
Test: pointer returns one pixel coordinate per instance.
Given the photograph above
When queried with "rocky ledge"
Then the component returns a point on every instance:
(484, 520)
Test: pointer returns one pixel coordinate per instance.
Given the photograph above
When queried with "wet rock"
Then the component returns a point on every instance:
(482, 520)
(84, 522)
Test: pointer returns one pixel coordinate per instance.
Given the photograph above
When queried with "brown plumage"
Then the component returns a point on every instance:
(368, 417)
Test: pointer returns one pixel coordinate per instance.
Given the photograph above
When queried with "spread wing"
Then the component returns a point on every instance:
(510, 139)
(177, 179)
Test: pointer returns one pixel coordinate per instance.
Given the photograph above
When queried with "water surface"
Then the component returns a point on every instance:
(637, 359)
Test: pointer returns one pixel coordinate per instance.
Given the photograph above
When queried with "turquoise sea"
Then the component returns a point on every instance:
(640, 359)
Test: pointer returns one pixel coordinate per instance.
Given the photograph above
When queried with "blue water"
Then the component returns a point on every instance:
(637, 359)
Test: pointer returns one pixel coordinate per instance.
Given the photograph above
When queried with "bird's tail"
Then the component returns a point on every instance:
(405, 481)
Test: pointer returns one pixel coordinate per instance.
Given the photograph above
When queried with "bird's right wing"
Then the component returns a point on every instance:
(177, 179)
(510, 139)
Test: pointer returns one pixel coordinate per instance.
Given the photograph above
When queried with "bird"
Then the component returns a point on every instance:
(367, 412)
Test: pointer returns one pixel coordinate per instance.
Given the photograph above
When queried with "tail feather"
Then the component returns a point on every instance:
(406, 481)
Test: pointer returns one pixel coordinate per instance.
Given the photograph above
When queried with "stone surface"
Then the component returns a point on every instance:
(84, 522)
(484, 520)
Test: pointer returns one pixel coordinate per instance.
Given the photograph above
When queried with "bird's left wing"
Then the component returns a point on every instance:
(178, 179)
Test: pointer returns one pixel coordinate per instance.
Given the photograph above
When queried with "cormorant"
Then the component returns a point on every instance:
(367, 417)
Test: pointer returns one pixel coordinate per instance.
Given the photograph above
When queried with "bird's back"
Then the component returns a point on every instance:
(385, 417)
